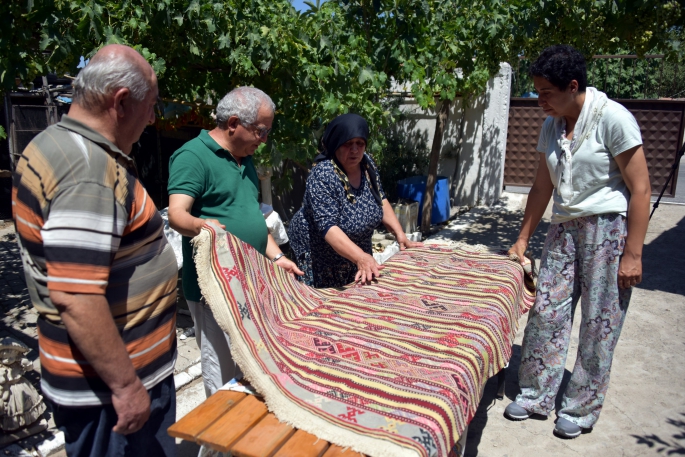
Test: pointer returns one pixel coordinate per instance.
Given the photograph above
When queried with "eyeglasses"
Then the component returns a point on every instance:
(261, 131)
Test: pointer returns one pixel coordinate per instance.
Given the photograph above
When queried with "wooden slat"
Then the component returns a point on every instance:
(303, 444)
(337, 451)
(230, 427)
(195, 422)
(263, 439)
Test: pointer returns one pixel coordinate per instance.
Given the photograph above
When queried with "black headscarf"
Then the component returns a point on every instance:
(340, 130)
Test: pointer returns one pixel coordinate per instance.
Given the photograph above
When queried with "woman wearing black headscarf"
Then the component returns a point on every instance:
(343, 203)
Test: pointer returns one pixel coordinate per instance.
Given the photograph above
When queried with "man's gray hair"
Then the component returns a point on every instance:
(243, 102)
(108, 74)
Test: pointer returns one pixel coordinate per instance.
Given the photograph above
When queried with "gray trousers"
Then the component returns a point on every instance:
(216, 361)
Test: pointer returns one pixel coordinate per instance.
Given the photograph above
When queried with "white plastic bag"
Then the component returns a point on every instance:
(173, 237)
(390, 250)
(274, 224)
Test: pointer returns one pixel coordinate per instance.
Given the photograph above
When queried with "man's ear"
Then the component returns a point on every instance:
(121, 96)
(573, 86)
(232, 123)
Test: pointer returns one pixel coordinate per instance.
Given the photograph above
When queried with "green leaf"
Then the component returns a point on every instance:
(331, 104)
(44, 42)
(224, 41)
(365, 75)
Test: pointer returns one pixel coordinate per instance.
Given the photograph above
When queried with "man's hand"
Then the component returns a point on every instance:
(289, 266)
(202, 222)
(367, 269)
(89, 323)
(132, 404)
(629, 270)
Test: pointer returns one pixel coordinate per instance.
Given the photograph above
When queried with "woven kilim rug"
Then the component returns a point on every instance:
(392, 369)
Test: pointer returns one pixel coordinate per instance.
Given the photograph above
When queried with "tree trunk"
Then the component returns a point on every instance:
(440, 121)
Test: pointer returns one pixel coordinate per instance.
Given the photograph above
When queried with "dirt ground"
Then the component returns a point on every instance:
(644, 413)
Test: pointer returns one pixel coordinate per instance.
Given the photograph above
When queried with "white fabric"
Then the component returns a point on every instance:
(274, 224)
(590, 114)
(276, 228)
(216, 361)
(596, 185)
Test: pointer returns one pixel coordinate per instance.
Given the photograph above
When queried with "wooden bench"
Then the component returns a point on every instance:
(240, 424)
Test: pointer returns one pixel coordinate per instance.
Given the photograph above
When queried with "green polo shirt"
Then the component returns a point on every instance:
(222, 190)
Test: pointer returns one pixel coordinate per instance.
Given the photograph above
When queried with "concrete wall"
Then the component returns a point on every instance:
(476, 173)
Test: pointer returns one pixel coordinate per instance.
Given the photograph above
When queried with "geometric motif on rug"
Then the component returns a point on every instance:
(395, 368)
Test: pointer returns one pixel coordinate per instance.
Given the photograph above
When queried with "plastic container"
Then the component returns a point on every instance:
(407, 212)
(414, 188)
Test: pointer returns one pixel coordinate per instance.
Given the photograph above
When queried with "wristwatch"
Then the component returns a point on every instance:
(278, 256)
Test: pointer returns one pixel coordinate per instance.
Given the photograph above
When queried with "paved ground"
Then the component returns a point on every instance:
(645, 409)
(644, 413)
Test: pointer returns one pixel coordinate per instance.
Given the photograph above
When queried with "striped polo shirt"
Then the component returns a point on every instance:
(86, 225)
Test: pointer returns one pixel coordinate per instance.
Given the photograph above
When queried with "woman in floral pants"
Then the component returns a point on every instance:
(593, 164)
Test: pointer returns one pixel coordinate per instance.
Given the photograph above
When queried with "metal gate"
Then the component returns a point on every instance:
(27, 121)
(660, 121)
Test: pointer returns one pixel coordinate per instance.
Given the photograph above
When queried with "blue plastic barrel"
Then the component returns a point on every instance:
(414, 188)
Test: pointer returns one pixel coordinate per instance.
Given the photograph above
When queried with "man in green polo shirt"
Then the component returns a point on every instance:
(212, 178)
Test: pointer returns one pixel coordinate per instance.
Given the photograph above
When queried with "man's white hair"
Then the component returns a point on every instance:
(106, 75)
(243, 102)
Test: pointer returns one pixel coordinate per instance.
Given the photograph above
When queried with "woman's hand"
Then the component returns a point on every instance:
(289, 266)
(629, 270)
(519, 250)
(367, 269)
(405, 242)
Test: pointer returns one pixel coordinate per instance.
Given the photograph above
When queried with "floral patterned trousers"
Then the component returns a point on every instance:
(580, 260)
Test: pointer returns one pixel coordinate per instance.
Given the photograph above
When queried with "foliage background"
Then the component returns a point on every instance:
(338, 56)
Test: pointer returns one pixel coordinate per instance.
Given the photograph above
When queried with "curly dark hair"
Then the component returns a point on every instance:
(560, 64)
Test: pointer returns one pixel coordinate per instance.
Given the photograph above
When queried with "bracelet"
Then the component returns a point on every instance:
(278, 256)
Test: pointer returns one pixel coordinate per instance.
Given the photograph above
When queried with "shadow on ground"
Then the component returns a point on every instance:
(488, 400)
(675, 445)
(187, 449)
(667, 247)
(501, 230)
(512, 389)
(18, 318)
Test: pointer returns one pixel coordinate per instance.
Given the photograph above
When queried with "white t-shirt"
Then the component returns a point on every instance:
(598, 186)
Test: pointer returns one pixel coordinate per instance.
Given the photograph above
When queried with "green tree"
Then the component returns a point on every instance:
(339, 56)
(24, 51)
(311, 64)
(439, 49)
(601, 26)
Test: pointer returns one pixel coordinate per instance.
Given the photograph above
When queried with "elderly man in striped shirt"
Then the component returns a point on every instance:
(98, 267)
